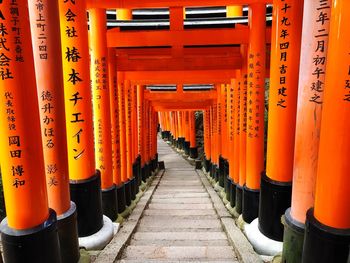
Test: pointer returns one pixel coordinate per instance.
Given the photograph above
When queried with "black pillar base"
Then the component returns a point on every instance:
(239, 199)
(39, 244)
(212, 170)
(227, 187)
(133, 188)
(68, 235)
(217, 174)
(293, 239)
(147, 170)
(121, 198)
(87, 196)
(194, 152)
(221, 171)
(162, 135)
(161, 165)
(143, 173)
(187, 147)
(110, 203)
(135, 174)
(250, 209)
(181, 141)
(127, 186)
(324, 244)
(207, 165)
(232, 193)
(139, 170)
(275, 198)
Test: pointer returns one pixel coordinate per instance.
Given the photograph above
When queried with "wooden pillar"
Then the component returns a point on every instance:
(80, 137)
(26, 226)
(275, 192)
(328, 224)
(47, 59)
(101, 107)
(193, 144)
(207, 140)
(308, 122)
(255, 111)
(128, 146)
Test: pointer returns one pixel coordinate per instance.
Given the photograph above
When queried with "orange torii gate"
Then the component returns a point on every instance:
(116, 131)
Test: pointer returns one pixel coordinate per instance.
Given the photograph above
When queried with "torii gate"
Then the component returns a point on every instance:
(111, 132)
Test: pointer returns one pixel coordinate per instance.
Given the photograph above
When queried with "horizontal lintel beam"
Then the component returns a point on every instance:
(113, 4)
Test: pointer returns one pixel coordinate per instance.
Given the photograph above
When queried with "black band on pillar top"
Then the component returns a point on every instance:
(232, 193)
(27, 245)
(239, 198)
(109, 203)
(323, 244)
(250, 204)
(121, 198)
(87, 196)
(275, 198)
(133, 188)
(293, 239)
(127, 186)
(68, 235)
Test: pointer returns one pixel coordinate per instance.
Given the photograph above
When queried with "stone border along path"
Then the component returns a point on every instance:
(180, 218)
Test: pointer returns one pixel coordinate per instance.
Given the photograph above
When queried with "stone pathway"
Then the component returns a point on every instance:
(180, 223)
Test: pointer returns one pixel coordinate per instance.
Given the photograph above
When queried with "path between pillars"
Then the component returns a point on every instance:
(180, 222)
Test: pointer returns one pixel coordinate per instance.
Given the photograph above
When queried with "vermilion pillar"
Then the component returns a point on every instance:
(328, 224)
(127, 133)
(101, 107)
(26, 226)
(230, 144)
(80, 137)
(136, 169)
(122, 140)
(193, 144)
(309, 107)
(224, 134)
(128, 127)
(242, 124)
(207, 140)
(255, 111)
(275, 193)
(187, 130)
(141, 131)
(238, 179)
(115, 129)
(47, 59)
(219, 135)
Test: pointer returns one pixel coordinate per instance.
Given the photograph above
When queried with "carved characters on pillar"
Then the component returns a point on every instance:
(319, 57)
(283, 51)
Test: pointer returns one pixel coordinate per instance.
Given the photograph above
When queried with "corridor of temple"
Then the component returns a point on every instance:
(174, 131)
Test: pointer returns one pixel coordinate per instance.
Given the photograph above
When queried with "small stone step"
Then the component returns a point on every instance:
(175, 261)
(177, 200)
(200, 236)
(179, 253)
(180, 206)
(180, 195)
(176, 223)
(179, 243)
(179, 212)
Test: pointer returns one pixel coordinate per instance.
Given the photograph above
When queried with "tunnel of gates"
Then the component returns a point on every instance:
(81, 100)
